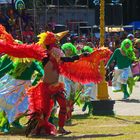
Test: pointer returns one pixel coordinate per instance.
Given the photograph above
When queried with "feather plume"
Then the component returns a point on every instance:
(33, 51)
(42, 38)
(86, 69)
(46, 38)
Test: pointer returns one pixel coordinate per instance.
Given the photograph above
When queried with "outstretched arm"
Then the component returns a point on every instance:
(70, 59)
(73, 58)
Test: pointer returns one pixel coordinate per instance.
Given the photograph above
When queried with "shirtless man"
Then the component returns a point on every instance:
(42, 96)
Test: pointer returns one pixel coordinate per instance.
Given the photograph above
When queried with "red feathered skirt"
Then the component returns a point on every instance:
(41, 100)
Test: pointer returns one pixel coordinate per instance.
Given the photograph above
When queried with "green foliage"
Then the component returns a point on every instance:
(75, 97)
(131, 83)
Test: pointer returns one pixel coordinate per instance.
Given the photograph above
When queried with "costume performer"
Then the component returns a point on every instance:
(41, 96)
(15, 78)
(50, 88)
(123, 57)
(90, 89)
(70, 87)
(13, 99)
(69, 50)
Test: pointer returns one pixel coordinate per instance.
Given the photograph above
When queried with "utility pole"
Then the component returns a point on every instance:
(103, 106)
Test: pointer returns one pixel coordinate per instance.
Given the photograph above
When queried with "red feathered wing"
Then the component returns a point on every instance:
(33, 51)
(86, 69)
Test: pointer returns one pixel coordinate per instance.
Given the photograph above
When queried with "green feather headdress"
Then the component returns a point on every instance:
(128, 51)
(87, 49)
(70, 46)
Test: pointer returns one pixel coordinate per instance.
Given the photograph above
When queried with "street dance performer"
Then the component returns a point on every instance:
(50, 88)
(15, 77)
(124, 56)
(70, 87)
(69, 50)
(90, 89)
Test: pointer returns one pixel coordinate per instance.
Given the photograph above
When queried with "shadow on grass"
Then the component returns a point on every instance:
(20, 132)
(17, 131)
(77, 117)
(87, 136)
(125, 120)
(85, 116)
(130, 101)
(61, 137)
(82, 116)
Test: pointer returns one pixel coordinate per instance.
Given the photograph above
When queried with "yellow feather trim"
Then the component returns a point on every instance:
(42, 38)
(22, 60)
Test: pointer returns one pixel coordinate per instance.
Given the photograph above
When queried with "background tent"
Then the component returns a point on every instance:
(136, 25)
(128, 28)
(5, 1)
(114, 29)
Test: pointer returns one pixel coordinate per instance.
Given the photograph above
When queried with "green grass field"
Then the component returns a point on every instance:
(90, 127)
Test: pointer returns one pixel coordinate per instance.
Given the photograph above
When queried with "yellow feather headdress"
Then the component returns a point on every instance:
(47, 38)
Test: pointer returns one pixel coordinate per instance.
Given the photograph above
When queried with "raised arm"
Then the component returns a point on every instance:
(70, 59)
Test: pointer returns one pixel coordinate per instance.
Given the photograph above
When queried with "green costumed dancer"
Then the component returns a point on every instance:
(124, 57)
(69, 50)
(15, 79)
(89, 89)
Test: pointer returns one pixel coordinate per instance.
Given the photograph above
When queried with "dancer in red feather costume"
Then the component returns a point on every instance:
(42, 96)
